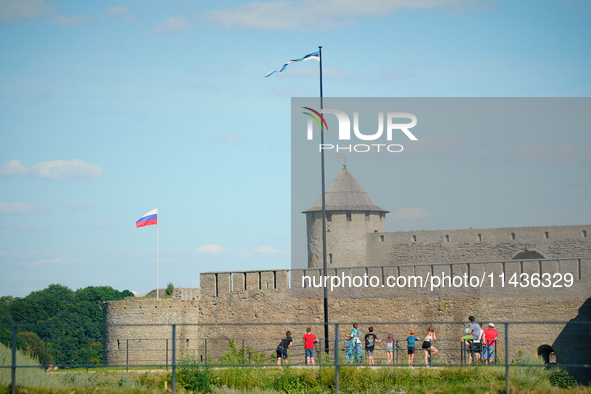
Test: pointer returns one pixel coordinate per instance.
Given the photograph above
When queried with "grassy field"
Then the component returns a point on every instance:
(290, 380)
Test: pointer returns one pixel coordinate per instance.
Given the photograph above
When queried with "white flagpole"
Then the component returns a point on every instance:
(157, 252)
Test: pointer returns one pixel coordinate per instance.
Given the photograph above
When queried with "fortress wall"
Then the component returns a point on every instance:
(276, 305)
(345, 239)
(147, 344)
(239, 299)
(185, 294)
(431, 246)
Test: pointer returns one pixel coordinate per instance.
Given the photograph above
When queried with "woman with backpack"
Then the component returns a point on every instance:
(353, 351)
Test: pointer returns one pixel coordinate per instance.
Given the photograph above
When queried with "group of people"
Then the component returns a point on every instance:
(480, 341)
(427, 347)
(309, 341)
(354, 351)
(475, 338)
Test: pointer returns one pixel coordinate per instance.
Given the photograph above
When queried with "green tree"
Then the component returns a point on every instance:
(30, 343)
(25, 311)
(50, 311)
(5, 319)
(169, 288)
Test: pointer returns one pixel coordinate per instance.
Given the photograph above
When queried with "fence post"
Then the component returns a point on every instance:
(173, 379)
(336, 357)
(507, 357)
(13, 365)
(396, 351)
(242, 351)
(167, 354)
(127, 354)
(87, 353)
(495, 348)
(206, 352)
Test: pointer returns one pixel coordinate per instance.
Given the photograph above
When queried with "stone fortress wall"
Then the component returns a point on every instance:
(229, 303)
(138, 331)
(429, 246)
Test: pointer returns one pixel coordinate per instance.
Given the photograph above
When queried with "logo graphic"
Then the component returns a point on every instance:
(345, 130)
(316, 119)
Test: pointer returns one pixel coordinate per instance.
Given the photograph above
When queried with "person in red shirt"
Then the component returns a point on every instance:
(309, 341)
(490, 336)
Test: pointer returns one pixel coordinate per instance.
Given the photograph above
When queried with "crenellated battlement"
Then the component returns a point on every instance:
(306, 283)
(217, 283)
(428, 246)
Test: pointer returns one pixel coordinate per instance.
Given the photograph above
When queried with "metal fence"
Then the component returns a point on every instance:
(177, 350)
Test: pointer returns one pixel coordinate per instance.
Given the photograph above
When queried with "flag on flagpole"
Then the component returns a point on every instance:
(313, 55)
(148, 219)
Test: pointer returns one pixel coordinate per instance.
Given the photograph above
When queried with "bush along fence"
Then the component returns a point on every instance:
(203, 346)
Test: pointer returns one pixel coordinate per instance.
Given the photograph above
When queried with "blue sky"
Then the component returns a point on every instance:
(109, 109)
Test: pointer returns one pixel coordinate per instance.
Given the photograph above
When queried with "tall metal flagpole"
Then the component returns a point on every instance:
(157, 252)
(324, 267)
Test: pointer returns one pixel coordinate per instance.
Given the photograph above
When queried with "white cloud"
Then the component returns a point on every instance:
(15, 208)
(37, 259)
(232, 138)
(69, 21)
(4, 256)
(52, 263)
(13, 167)
(65, 170)
(410, 214)
(323, 14)
(209, 248)
(11, 10)
(121, 11)
(173, 24)
(561, 154)
(260, 251)
(268, 250)
(117, 10)
(56, 169)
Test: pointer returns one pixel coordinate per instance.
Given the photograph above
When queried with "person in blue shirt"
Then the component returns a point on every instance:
(411, 347)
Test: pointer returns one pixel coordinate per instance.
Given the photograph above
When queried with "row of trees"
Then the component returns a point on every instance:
(45, 315)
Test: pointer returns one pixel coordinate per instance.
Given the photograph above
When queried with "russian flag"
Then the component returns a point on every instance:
(148, 219)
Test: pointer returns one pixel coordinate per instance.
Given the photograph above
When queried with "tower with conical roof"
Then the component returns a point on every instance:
(351, 214)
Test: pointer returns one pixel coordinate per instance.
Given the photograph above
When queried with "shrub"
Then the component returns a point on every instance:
(195, 379)
(560, 377)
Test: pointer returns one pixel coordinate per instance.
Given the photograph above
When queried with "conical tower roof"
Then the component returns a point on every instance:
(346, 194)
